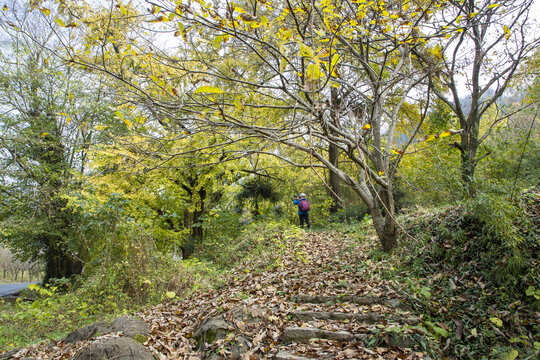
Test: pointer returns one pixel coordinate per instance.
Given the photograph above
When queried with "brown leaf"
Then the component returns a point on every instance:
(459, 328)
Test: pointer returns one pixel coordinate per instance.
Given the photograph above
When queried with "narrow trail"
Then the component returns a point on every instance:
(322, 299)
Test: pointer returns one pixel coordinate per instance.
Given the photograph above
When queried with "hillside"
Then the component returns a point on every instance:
(451, 290)
(286, 310)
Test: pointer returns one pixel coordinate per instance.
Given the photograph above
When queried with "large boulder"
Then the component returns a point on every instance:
(86, 333)
(118, 348)
(223, 337)
(132, 327)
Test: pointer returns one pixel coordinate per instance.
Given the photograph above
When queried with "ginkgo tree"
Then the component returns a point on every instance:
(166, 202)
(331, 74)
(312, 76)
(322, 78)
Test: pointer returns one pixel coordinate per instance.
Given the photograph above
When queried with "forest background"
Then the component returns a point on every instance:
(143, 137)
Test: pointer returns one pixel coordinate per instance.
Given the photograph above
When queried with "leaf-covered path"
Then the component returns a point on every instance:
(321, 299)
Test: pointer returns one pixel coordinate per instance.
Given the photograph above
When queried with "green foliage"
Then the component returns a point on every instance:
(441, 118)
(44, 137)
(351, 214)
(476, 265)
(255, 190)
(431, 177)
(514, 154)
(255, 239)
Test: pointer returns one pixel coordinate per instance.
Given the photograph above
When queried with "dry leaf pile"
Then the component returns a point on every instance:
(259, 304)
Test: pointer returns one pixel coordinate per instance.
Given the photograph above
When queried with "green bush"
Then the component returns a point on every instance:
(351, 214)
(477, 264)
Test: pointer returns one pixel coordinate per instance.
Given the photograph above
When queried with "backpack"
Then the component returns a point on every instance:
(304, 205)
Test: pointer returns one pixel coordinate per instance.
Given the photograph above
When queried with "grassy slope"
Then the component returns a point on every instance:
(465, 313)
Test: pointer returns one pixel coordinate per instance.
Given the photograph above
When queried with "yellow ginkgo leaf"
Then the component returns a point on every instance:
(437, 51)
(209, 90)
(506, 32)
(366, 127)
(60, 22)
(445, 134)
(406, 5)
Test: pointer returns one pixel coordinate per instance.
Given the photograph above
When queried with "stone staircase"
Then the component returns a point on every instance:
(317, 327)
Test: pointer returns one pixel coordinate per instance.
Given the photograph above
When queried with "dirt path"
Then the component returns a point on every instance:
(322, 299)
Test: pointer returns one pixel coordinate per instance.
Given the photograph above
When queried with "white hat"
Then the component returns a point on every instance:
(302, 195)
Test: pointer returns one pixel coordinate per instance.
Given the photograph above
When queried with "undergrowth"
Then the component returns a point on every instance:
(124, 286)
(472, 271)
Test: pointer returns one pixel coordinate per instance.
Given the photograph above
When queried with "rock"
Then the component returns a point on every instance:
(302, 335)
(9, 354)
(360, 300)
(118, 348)
(218, 328)
(285, 355)
(130, 326)
(86, 333)
(364, 317)
(212, 329)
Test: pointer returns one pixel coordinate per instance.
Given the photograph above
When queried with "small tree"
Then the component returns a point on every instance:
(476, 50)
(254, 190)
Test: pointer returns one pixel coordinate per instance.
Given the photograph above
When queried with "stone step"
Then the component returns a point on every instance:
(285, 355)
(360, 300)
(364, 317)
(305, 334)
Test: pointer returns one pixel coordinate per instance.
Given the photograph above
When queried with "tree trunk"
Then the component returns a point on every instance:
(60, 264)
(333, 152)
(467, 176)
(468, 165)
(385, 221)
(385, 228)
(197, 231)
(195, 223)
(333, 181)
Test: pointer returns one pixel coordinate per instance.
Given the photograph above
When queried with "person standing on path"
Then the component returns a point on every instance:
(303, 209)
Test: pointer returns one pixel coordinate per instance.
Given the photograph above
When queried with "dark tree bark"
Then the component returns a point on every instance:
(60, 263)
(192, 220)
(333, 155)
(333, 180)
